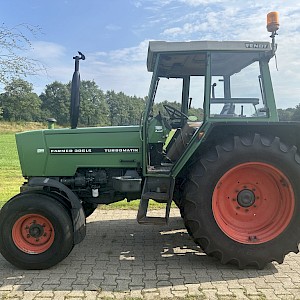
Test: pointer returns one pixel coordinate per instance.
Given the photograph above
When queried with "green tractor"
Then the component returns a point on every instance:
(234, 175)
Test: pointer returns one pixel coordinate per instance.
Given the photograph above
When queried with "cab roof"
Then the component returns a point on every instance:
(179, 59)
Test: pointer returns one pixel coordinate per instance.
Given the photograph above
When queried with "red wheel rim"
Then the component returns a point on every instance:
(253, 203)
(33, 234)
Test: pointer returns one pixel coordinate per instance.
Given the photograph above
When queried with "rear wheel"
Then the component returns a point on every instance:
(36, 231)
(241, 202)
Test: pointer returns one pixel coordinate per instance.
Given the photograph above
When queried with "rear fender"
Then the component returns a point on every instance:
(216, 133)
(288, 132)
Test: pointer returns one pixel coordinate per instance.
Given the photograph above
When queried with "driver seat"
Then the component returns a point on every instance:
(181, 140)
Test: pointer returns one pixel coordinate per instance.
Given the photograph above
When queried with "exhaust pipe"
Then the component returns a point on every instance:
(75, 95)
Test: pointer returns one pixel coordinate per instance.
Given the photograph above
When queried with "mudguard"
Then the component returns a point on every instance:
(77, 213)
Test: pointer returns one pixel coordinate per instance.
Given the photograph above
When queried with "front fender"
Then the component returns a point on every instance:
(77, 212)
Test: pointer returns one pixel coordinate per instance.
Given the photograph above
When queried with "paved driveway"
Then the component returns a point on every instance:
(121, 259)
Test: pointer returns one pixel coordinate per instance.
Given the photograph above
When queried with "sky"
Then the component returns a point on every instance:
(114, 36)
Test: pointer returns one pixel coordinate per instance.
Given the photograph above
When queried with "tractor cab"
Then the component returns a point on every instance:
(219, 81)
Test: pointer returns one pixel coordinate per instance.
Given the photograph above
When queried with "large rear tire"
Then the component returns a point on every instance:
(36, 231)
(241, 201)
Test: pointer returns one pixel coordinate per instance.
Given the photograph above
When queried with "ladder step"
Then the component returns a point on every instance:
(156, 196)
(151, 185)
(153, 220)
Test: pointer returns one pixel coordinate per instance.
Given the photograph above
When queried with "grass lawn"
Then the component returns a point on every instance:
(10, 172)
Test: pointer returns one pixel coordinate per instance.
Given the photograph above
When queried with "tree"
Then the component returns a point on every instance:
(296, 114)
(56, 102)
(13, 44)
(124, 110)
(116, 107)
(93, 107)
(285, 114)
(19, 103)
(136, 106)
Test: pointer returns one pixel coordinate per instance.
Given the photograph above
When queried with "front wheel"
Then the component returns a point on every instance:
(241, 202)
(36, 231)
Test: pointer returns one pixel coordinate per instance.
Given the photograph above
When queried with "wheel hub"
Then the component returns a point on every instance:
(36, 230)
(33, 233)
(246, 198)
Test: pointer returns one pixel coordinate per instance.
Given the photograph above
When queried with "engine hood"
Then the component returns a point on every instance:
(60, 152)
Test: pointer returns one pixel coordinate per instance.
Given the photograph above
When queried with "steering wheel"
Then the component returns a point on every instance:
(175, 115)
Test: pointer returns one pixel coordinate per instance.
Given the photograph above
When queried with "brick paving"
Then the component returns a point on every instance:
(120, 259)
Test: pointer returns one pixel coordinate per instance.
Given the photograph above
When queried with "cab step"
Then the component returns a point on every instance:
(160, 197)
(159, 189)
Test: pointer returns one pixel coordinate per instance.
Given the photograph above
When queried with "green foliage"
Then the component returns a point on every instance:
(93, 107)
(289, 114)
(19, 102)
(123, 109)
(296, 114)
(56, 102)
(285, 114)
(10, 175)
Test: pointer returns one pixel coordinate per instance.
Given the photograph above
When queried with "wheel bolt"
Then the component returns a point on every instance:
(45, 234)
(252, 238)
(237, 207)
(246, 210)
(26, 227)
(37, 240)
(44, 225)
(28, 235)
(34, 221)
